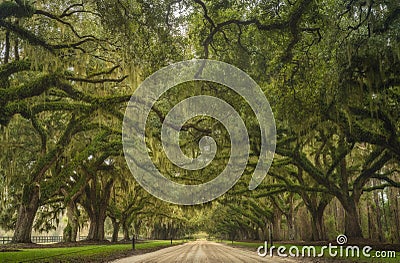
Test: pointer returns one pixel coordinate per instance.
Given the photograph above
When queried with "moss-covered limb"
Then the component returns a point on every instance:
(362, 134)
(286, 140)
(370, 171)
(104, 72)
(26, 35)
(282, 162)
(271, 192)
(388, 180)
(8, 111)
(389, 123)
(74, 93)
(57, 181)
(42, 132)
(58, 93)
(300, 160)
(31, 89)
(110, 102)
(247, 214)
(390, 141)
(294, 188)
(48, 160)
(38, 41)
(14, 67)
(99, 102)
(16, 9)
(71, 45)
(343, 151)
(305, 164)
(98, 145)
(373, 156)
(77, 190)
(389, 20)
(112, 148)
(44, 83)
(95, 81)
(261, 211)
(290, 24)
(355, 132)
(284, 179)
(116, 113)
(98, 126)
(61, 106)
(29, 112)
(58, 19)
(378, 187)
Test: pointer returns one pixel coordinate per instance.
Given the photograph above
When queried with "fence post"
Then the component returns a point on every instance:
(133, 242)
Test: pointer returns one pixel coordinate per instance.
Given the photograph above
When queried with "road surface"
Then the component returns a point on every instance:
(203, 251)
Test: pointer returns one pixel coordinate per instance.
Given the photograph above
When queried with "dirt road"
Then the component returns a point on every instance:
(203, 251)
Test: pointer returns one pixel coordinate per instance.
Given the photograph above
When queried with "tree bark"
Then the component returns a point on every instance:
(125, 230)
(352, 227)
(96, 229)
(317, 225)
(317, 218)
(72, 215)
(396, 216)
(352, 222)
(115, 224)
(26, 215)
(276, 226)
(378, 217)
(95, 203)
(290, 225)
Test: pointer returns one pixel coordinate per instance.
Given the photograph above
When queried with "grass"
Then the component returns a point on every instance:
(362, 258)
(91, 253)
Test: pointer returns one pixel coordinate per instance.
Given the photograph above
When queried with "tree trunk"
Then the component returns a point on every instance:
(290, 225)
(378, 217)
(396, 218)
(95, 204)
(276, 227)
(317, 225)
(385, 221)
(352, 227)
(96, 229)
(136, 227)
(352, 222)
(125, 230)
(115, 224)
(369, 221)
(73, 225)
(26, 215)
(317, 219)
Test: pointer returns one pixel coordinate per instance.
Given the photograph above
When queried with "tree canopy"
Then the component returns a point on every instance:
(329, 69)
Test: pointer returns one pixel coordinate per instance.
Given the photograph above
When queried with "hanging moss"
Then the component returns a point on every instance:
(27, 193)
(20, 9)
(67, 232)
(31, 89)
(13, 67)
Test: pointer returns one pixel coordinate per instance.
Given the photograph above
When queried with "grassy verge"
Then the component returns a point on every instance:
(91, 253)
(362, 258)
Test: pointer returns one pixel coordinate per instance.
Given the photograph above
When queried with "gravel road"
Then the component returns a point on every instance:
(203, 251)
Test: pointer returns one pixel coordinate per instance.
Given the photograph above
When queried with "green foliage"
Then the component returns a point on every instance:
(16, 9)
(330, 70)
